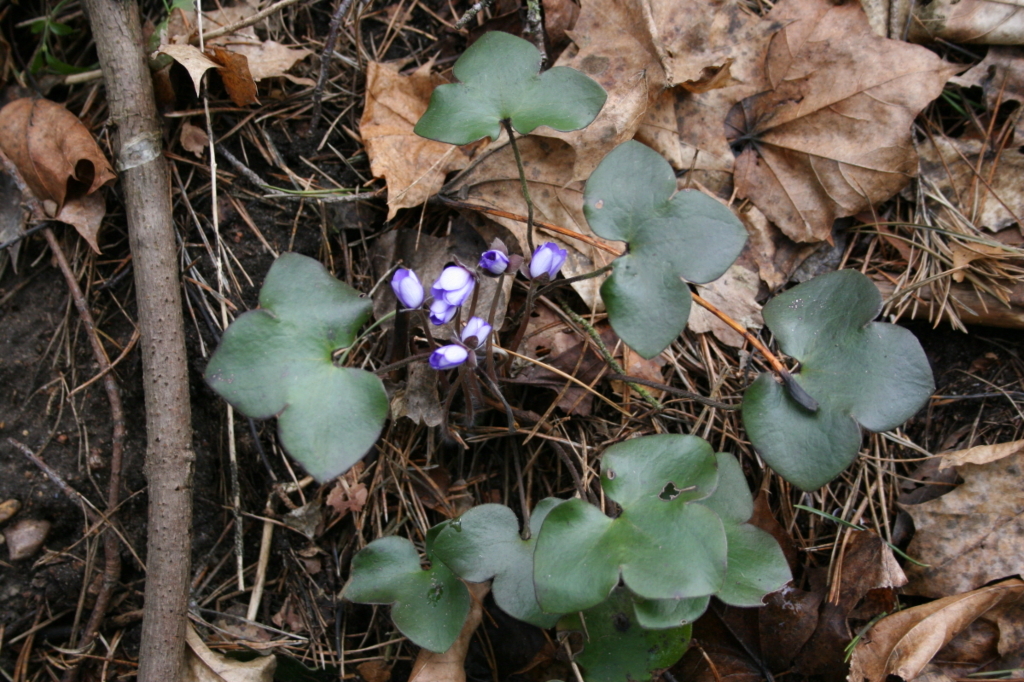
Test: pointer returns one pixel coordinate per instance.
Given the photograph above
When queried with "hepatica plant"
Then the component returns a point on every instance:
(674, 531)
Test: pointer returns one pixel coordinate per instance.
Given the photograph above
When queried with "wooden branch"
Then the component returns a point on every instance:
(169, 457)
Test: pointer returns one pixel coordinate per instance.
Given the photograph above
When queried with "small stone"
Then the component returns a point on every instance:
(9, 508)
(26, 537)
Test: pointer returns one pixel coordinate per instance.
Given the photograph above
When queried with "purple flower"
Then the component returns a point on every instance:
(477, 329)
(441, 312)
(547, 260)
(447, 357)
(493, 262)
(454, 285)
(408, 289)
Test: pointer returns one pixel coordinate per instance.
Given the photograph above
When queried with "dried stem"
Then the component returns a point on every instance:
(325, 62)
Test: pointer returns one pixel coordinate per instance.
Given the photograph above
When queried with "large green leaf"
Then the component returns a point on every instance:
(757, 565)
(278, 361)
(687, 236)
(616, 648)
(429, 606)
(664, 544)
(865, 373)
(500, 81)
(484, 543)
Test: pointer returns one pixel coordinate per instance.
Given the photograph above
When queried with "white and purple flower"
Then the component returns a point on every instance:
(547, 260)
(447, 357)
(453, 286)
(407, 288)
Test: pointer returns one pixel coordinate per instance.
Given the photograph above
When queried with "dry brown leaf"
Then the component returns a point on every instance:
(374, 671)
(981, 454)
(776, 255)
(735, 294)
(270, 59)
(85, 214)
(451, 665)
(193, 139)
(55, 153)
(987, 22)
(494, 182)
(414, 167)
(192, 58)
(972, 535)
(204, 665)
(832, 136)
(904, 643)
(345, 497)
(614, 47)
(982, 183)
(1001, 77)
(234, 71)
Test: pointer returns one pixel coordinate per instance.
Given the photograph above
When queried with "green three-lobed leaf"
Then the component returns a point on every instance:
(278, 361)
(618, 647)
(672, 236)
(429, 606)
(664, 544)
(484, 543)
(861, 372)
(500, 80)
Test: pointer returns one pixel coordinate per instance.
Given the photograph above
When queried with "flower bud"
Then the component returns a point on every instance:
(447, 357)
(547, 260)
(441, 312)
(477, 329)
(493, 262)
(407, 288)
(454, 285)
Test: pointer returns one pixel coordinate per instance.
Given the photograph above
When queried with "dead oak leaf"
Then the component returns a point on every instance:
(53, 150)
(270, 59)
(1001, 77)
(192, 58)
(234, 71)
(832, 134)
(986, 22)
(413, 166)
(904, 643)
(972, 535)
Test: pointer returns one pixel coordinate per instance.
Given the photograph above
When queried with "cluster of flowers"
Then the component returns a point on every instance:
(453, 288)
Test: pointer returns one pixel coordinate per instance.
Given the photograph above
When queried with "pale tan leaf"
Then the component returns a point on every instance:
(985, 187)
(904, 643)
(981, 454)
(54, 152)
(451, 665)
(832, 136)
(204, 665)
(193, 139)
(192, 58)
(1001, 77)
(414, 167)
(85, 214)
(269, 59)
(972, 535)
(987, 22)
(735, 294)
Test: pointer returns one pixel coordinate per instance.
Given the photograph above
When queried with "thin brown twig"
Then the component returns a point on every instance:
(111, 551)
(325, 62)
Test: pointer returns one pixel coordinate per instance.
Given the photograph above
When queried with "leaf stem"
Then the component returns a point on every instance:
(522, 181)
(573, 280)
(606, 354)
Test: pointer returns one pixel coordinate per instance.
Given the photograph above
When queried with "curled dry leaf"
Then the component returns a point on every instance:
(986, 22)
(413, 166)
(234, 71)
(831, 137)
(55, 153)
(204, 665)
(981, 454)
(972, 535)
(85, 214)
(192, 58)
(345, 497)
(904, 643)
(270, 59)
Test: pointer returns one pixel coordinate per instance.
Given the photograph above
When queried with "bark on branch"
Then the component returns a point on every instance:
(169, 458)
